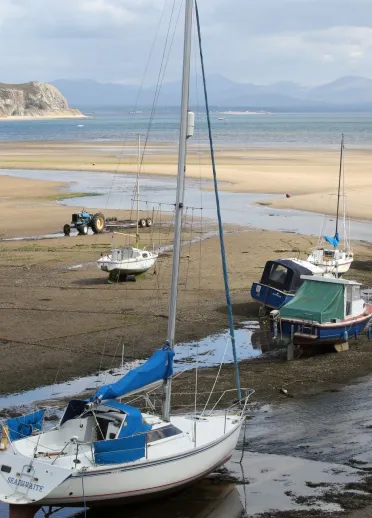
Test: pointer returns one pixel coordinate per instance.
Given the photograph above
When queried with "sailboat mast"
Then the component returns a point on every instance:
(137, 186)
(180, 195)
(339, 181)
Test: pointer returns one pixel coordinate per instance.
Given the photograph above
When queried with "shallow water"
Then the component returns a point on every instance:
(158, 193)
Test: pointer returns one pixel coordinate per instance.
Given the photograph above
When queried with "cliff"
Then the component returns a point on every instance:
(34, 99)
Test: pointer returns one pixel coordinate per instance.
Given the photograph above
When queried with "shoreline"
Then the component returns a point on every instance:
(42, 117)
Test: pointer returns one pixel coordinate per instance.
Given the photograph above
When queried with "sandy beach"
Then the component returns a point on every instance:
(47, 116)
(309, 176)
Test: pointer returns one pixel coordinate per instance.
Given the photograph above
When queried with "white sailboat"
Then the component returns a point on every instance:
(104, 450)
(333, 260)
(129, 260)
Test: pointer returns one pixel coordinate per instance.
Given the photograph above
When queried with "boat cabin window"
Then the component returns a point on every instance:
(355, 290)
(162, 433)
(352, 295)
(329, 253)
(126, 253)
(145, 255)
(107, 428)
(277, 276)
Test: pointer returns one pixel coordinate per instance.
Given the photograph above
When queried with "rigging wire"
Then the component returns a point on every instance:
(222, 244)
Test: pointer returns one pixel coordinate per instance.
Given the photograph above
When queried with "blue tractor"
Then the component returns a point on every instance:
(82, 221)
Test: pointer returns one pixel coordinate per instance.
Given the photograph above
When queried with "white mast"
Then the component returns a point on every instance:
(184, 133)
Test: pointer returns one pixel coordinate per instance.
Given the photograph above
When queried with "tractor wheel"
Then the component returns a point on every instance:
(142, 223)
(66, 229)
(148, 222)
(98, 223)
(83, 230)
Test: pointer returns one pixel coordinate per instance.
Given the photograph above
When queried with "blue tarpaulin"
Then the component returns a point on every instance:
(158, 367)
(24, 425)
(334, 241)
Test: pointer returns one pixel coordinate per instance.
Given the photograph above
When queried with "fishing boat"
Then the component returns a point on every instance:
(334, 260)
(323, 311)
(104, 450)
(129, 260)
(280, 281)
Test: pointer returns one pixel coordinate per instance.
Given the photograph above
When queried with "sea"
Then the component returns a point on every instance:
(299, 130)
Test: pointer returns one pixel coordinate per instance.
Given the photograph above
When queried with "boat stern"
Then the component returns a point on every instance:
(24, 480)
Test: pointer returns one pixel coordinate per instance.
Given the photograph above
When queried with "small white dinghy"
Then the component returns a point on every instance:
(127, 260)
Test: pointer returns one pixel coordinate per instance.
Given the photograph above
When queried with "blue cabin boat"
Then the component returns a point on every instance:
(324, 311)
(280, 281)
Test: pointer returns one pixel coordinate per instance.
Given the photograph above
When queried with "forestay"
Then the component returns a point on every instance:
(316, 301)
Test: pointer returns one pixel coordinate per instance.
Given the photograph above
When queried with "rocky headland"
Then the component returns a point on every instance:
(34, 100)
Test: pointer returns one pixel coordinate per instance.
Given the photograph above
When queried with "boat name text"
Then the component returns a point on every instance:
(24, 483)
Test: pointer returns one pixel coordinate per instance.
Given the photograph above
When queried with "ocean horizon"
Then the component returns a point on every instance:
(299, 130)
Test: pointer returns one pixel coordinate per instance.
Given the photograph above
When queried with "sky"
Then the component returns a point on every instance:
(256, 41)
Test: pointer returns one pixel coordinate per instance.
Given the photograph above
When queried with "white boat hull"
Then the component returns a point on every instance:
(167, 466)
(127, 261)
(142, 480)
(336, 262)
(126, 267)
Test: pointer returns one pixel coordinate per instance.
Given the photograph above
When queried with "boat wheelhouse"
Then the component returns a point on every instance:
(280, 281)
(323, 311)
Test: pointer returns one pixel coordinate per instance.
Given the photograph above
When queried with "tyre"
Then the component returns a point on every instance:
(66, 229)
(98, 223)
(142, 223)
(148, 222)
(83, 229)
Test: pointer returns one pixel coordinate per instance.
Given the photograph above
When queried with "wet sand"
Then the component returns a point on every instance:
(310, 176)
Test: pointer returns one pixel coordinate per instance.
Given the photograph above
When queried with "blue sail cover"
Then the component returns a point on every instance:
(158, 367)
(334, 241)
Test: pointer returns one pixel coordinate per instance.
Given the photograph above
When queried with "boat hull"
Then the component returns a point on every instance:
(268, 296)
(309, 333)
(335, 267)
(142, 480)
(126, 267)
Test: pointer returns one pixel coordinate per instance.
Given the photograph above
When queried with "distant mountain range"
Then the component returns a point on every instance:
(346, 93)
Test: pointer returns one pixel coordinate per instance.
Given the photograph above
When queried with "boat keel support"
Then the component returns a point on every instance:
(339, 348)
(23, 511)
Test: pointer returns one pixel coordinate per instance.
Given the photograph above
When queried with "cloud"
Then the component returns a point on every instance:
(256, 40)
